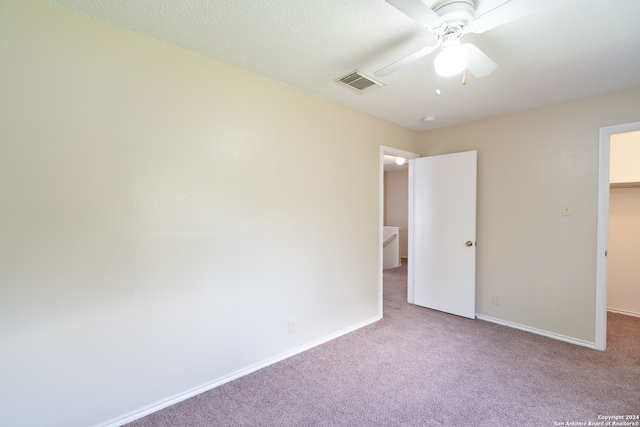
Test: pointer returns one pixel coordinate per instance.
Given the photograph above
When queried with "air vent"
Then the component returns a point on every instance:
(359, 81)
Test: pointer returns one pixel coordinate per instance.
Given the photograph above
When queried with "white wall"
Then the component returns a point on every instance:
(623, 293)
(529, 163)
(397, 204)
(159, 222)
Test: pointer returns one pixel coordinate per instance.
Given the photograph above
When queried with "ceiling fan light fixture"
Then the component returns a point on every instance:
(452, 60)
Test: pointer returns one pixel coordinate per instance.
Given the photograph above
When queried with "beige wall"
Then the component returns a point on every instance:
(624, 251)
(397, 204)
(625, 157)
(163, 216)
(529, 163)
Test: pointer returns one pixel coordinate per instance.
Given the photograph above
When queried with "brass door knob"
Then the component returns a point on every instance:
(469, 243)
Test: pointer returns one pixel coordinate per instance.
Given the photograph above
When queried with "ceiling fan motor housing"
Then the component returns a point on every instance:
(459, 13)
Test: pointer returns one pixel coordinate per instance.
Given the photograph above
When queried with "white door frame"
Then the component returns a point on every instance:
(397, 153)
(603, 229)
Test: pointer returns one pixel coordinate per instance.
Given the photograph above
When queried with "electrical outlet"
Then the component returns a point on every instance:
(292, 326)
(567, 209)
(496, 299)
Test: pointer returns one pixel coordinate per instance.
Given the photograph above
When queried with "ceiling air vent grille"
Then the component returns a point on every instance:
(359, 81)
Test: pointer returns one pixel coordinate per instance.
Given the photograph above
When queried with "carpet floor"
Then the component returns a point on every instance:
(420, 367)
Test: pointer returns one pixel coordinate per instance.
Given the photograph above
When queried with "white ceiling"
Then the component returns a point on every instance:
(575, 48)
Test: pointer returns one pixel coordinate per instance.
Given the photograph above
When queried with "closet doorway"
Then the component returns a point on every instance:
(623, 283)
(609, 181)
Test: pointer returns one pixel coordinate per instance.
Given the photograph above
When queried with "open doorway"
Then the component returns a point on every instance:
(395, 215)
(394, 207)
(623, 177)
(623, 287)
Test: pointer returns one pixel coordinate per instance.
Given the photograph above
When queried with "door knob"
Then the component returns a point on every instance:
(469, 243)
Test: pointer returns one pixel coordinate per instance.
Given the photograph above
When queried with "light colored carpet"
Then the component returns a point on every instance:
(419, 367)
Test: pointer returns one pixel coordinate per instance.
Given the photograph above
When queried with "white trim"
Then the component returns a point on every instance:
(602, 238)
(409, 156)
(410, 242)
(555, 336)
(398, 153)
(603, 230)
(625, 312)
(142, 412)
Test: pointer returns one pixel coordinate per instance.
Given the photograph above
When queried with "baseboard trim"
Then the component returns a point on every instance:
(143, 412)
(625, 312)
(548, 334)
(393, 266)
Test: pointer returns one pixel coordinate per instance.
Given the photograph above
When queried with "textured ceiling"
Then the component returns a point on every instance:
(573, 49)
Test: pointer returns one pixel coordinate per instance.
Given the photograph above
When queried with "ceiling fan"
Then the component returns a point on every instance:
(448, 21)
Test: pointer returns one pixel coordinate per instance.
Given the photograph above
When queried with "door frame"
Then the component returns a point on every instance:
(380, 208)
(603, 228)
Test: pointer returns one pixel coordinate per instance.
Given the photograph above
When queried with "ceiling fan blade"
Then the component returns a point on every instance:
(478, 63)
(419, 12)
(507, 12)
(405, 61)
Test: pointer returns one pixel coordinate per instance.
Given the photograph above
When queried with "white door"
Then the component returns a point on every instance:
(442, 217)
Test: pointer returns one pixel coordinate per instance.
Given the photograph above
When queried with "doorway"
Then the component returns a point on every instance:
(602, 245)
(385, 152)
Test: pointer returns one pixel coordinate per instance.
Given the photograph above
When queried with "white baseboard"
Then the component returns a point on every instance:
(553, 335)
(393, 266)
(625, 312)
(142, 412)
